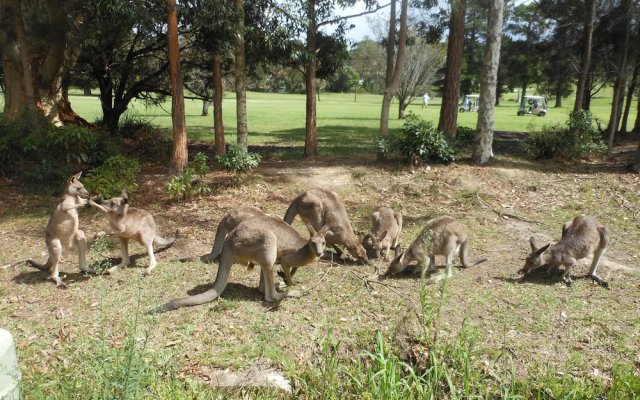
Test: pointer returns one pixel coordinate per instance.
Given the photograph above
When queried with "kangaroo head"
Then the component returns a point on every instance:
(317, 241)
(75, 187)
(373, 243)
(533, 260)
(399, 262)
(117, 204)
(356, 250)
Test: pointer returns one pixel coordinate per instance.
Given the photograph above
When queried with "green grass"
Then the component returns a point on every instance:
(345, 127)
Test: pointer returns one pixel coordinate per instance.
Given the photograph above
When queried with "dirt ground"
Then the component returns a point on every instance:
(581, 330)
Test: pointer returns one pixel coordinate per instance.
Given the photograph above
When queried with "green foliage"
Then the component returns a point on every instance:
(142, 139)
(185, 185)
(237, 160)
(44, 156)
(577, 138)
(420, 142)
(116, 174)
(465, 136)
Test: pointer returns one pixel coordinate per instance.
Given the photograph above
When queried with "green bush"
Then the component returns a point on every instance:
(142, 139)
(237, 160)
(465, 136)
(116, 174)
(419, 142)
(579, 137)
(185, 185)
(44, 156)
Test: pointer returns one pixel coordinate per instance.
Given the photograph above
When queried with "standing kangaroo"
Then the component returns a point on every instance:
(230, 220)
(264, 241)
(63, 230)
(130, 223)
(320, 207)
(443, 236)
(384, 234)
(581, 237)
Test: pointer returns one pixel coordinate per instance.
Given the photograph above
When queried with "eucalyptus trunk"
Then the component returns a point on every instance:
(590, 7)
(629, 100)
(218, 125)
(179, 154)
(488, 85)
(240, 75)
(393, 81)
(311, 129)
(455, 47)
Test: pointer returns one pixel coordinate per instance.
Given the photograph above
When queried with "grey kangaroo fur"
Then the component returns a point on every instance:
(384, 234)
(230, 220)
(320, 207)
(130, 223)
(443, 236)
(63, 230)
(581, 237)
(264, 241)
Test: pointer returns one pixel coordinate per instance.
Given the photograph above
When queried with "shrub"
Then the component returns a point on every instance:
(419, 142)
(579, 137)
(465, 136)
(185, 184)
(142, 139)
(116, 174)
(238, 160)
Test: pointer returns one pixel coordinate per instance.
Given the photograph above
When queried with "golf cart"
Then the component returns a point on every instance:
(535, 105)
(470, 102)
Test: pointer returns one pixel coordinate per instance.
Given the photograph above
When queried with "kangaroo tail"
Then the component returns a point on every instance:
(218, 287)
(221, 234)
(42, 267)
(463, 256)
(166, 242)
(291, 213)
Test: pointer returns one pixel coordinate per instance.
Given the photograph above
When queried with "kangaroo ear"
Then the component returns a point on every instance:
(124, 194)
(542, 249)
(324, 230)
(312, 231)
(532, 242)
(397, 250)
(75, 177)
(382, 235)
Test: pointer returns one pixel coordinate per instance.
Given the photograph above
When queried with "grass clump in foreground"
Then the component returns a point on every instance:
(447, 368)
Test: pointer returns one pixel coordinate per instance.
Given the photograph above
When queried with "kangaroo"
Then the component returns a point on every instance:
(443, 236)
(581, 237)
(264, 241)
(63, 230)
(130, 223)
(320, 207)
(384, 235)
(230, 220)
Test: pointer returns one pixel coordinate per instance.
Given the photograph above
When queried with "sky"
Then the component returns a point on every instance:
(361, 28)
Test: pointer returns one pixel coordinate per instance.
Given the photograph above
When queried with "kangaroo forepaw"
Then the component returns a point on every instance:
(568, 281)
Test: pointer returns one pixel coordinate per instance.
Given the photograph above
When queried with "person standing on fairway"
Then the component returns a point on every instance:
(425, 100)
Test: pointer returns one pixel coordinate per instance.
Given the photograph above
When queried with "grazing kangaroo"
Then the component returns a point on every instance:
(443, 236)
(63, 230)
(264, 241)
(230, 220)
(130, 223)
(320, 207)
(384, 235)
(581, 237)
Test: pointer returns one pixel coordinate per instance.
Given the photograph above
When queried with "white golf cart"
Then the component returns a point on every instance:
(470, 103)
(536, 105)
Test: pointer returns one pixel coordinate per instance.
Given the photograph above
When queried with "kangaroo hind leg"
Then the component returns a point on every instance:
(597, 255)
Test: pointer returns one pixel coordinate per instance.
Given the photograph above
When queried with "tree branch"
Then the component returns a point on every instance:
(336, 20)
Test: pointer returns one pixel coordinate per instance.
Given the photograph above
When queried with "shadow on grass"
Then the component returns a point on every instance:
(233, 291)
(37, 277)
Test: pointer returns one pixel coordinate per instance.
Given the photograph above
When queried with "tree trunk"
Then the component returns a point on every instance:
(558, 96)
(393, 84)
(636, 162)
(455, 48)
(402, 107)
(484, 136)
(620, 84)
(629, 100)
(218, 126)
(179, 155)
(86, 91)
(311, 130)
(34, 81)
(205, 108)
(240, 75)
(590, 7)
(636, 125)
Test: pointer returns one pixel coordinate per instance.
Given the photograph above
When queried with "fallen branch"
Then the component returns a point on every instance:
(368, 281)
(503, 214)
